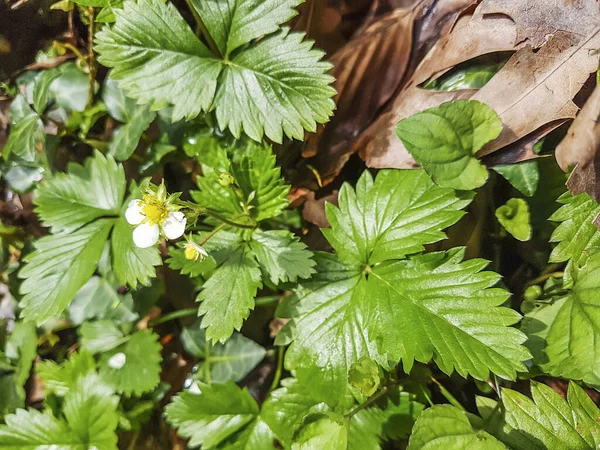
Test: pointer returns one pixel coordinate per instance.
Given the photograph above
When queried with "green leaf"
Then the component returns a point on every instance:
(71, 89)
(207, 419)
(99, 299)
(100, 336)
(445, 426)
(24, 136)
(323, 432)
(141, 371)
(59, 267)
(219, 363)
(228, 295)
(576, 233)
(68, 201)
(515, 218)
(256, 436)
(127, 137)
(58, 378)
(233, 23)
(90, 421)
(391, 217)
(523, 176)
(551, 422)
(119, 106)
(132, 264)
(445, 139)
(151, 44)
(21, 348)
(571, 343)
(281, 255)
(431, 306)
(41, 89)
(92, 3)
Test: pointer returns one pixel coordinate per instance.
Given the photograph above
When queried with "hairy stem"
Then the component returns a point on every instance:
(173, 315)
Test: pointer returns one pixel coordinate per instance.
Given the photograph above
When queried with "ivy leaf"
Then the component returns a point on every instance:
(228, 295)
(552, 422)
(208, 419)
(445, 139)
(281, 256)
(445, 426)
(59, 267)
(151, 44)
(576, 233)
(571, 336)
(405, 211)
(24, 136)
(68, 201)
(140, 372)
(321, 432)
(132, 265)
(90, 420)
(523, 176)
(127, 137)
(41, 89)
(219, 363)
(233, 23)
(515, 218)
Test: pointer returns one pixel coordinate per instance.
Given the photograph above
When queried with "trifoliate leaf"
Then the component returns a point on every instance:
(100, 336)
(576, 233)
(412, 309)
(286, 407)
(228, 295)
(391, 217)
(127, 137)
(132, 265)
(140, 371)
(211, 417)
(321, 432)
(58, 378)
(571, 345)
(364, 376)
(523, 176)
(445, 139)
(59, 267)
(151, 44)
(515, 218)
(66, 202)
(41, 89)
(233, 23)
(98, 299)
(24, 136)
(551, 422)
(219, 363)
(281, 255)
(447, 427)
(90, 421)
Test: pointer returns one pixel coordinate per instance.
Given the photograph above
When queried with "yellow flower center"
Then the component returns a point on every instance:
(156, 212)
(192, 252)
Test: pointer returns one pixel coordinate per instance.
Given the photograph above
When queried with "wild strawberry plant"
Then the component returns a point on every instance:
(156, 184)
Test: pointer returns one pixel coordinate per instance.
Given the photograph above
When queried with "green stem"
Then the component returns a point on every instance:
(544, 277)
(173, 315)
(279, 370)
(211, 234)
(201, 29)
(446, 393)
(372, 399)
(230, 222)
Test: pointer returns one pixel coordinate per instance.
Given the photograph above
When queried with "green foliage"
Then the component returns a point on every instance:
(364, 375)
(26, 133)
(322, 431)
(445, 426)
(151, 44)
(524, 176)
(219, 363)
(445, 139)
(515, 218)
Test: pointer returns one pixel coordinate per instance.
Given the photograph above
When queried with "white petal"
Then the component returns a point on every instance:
(145, 235)
(117, 361)
(134, 212)
(174, 226)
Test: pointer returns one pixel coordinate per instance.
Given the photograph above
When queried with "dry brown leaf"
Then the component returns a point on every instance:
(582, 141)
(370, 69)
(314, 210)
(535, 87)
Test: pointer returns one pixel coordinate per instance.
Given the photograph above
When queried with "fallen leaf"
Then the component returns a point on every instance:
(314, 210)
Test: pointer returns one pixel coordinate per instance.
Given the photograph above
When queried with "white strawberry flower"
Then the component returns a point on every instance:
(154, 215)
(193, 251)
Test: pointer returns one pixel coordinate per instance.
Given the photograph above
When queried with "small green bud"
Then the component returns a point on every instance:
(532, 293)
(364, 375)
(226, 179)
